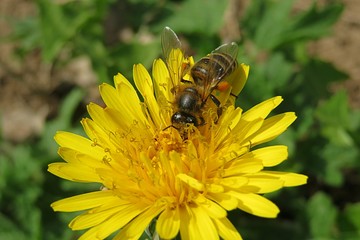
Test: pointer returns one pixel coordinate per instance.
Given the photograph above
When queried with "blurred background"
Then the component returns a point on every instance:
(54, 54)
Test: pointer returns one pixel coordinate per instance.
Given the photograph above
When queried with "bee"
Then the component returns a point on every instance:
(208, 74)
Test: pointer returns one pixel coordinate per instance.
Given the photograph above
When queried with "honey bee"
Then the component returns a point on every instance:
(208, 74)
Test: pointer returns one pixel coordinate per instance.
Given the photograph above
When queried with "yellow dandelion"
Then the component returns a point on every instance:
(150, 172)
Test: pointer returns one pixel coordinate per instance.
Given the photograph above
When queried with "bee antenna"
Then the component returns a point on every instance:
(170, 127)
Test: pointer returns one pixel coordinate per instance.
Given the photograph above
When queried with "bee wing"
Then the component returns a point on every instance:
(228, 51)
(221, 60)
(169, 43)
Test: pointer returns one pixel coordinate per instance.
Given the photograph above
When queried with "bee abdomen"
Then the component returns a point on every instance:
(215, 64)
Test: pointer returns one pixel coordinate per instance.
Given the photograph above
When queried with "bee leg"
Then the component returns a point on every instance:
(235, 96)
(217, 103)
(215, 100)
(218, 112)
(170, 127)
(202, 121)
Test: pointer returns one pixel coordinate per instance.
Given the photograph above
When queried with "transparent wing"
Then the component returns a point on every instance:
(173, 54)
(222, 62)
(228, 53)
(169, 41)
(230, 49)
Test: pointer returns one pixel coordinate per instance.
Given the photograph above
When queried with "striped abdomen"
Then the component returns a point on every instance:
(214, 68)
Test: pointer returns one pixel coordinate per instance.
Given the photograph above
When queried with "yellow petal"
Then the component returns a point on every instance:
(214, 188)
(262, 109)
(101, 117)
(118, 125)
(273, 127)
(229, 120)
(110, 97)
(256, 204)
(168, 223)
(289, 179)
(242, 167)
(74, 172)
(175, 62)
(79, 143)
(240, 76)
(111, 220)
(185, 223)
(162, 78)
(231, 153)
(201, 226)
(90, 219)
(225, 200)
(234, 182)
(192, 151)
(226, 229)
(97, 134)
(122, 100)
(83, 201)
(192, 182)
(211, 208)
(137, 226)
(258, 183)
(69, 155)
(271, 156)
(244, 129)
(144, 84)
(73, 156)
(129, 98)
(111, 224)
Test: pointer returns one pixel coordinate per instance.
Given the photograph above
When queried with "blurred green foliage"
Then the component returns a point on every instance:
(323, 142)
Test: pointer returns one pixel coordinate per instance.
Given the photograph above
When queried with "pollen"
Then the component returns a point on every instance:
(223, 86)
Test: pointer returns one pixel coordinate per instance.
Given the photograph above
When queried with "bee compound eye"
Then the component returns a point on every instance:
(192, 120)
(176, 118)
(183, 118)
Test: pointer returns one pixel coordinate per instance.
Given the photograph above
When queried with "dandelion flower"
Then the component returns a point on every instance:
(150, 172)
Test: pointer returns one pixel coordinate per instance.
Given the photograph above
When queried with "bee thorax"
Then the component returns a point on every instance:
(188, 101)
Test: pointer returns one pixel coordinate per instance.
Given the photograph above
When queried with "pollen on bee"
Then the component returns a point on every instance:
(223, 86)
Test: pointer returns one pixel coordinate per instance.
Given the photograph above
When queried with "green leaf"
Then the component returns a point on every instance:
(349, 221)
(55, 28)
(354, 119)
(321, 214)
(277, 27)
(314, 23)
(278, 71)
(352, 213)
(336, 159)
(62, 122)
(23, 178)
(201, 16)
(315, 78)
(334, 117)
(10, 230)
(58, 28)
(266, 79)
(273, 24)
(125, 55)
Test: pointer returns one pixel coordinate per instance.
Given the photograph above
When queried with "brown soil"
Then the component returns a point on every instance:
(343, 49)
(29, 87)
